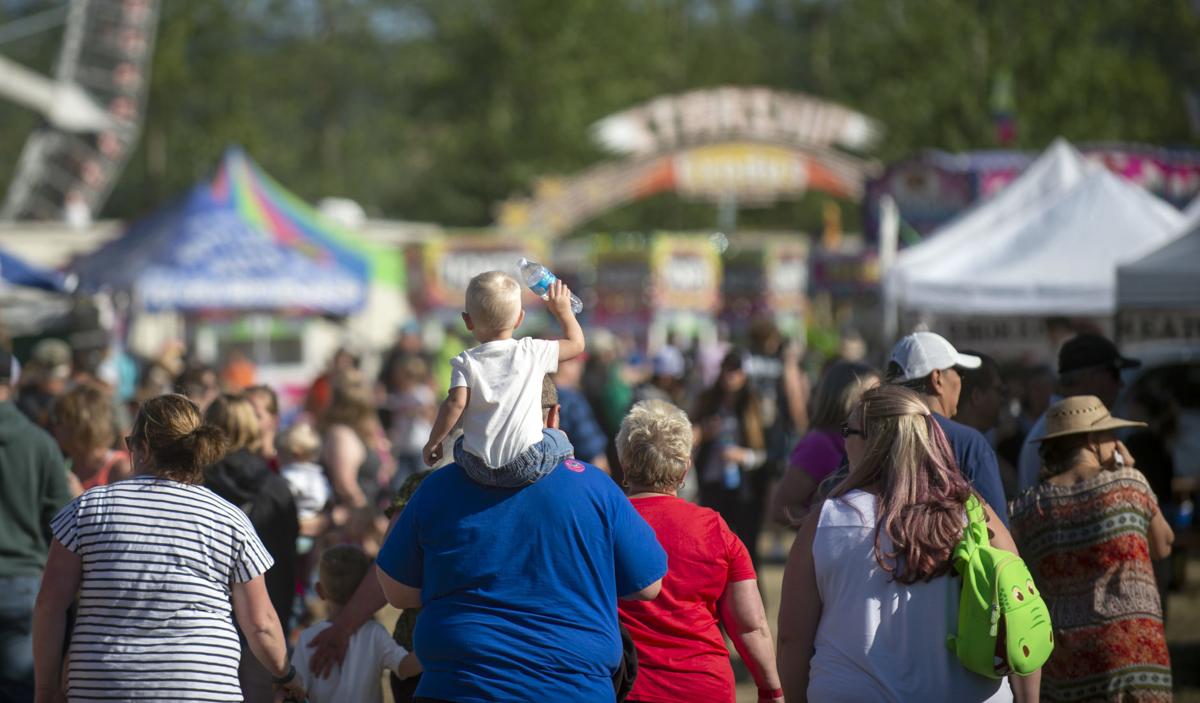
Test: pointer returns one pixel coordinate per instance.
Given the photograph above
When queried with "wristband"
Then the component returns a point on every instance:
(769, 695)
(286, 678)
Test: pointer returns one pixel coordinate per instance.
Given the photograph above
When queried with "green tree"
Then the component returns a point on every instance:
(1087, 71)
(438, 109)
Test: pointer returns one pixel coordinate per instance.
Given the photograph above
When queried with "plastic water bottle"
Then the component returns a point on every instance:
(539, 279)
(1183, 518)
(731, 476)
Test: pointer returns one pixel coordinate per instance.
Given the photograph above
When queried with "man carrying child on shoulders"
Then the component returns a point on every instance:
(516, 553)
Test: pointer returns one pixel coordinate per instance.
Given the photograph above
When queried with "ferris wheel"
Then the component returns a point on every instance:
(92, 107)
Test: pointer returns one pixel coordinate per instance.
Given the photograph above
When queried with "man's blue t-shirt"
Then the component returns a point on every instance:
(519, 586)
(575, 417)
(977, 462)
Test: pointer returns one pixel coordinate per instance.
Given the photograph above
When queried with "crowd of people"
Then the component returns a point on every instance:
(567, 524)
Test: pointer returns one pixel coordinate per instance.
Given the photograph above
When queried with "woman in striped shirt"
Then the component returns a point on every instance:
(158, 562)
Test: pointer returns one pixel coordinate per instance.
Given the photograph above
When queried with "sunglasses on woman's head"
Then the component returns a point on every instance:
(847, 430)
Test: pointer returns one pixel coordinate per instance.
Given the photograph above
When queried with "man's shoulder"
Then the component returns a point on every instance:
(583, 474)
(574, 482)
(440, 479)
(958, 432)
(570, 474)
(16, 428)
(970, 447)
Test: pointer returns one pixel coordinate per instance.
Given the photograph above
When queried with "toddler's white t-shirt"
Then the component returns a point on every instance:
(309, 487)
(504, 415)
(372, 651)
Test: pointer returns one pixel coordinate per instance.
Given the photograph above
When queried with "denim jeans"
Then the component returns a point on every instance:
(532, 464)
(17, 595)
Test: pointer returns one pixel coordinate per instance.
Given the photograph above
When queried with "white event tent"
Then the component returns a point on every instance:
(1048, 244)
(1167, 278)
(1192, 213)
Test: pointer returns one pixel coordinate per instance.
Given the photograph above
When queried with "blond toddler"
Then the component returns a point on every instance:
(496, 387)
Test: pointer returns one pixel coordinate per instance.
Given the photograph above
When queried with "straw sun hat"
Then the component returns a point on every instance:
(1081, 414)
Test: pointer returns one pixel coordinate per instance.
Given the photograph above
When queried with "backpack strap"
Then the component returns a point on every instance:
(976, 521)
(974, 535)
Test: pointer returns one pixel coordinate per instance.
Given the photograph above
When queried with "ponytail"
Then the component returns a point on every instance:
(179, 443)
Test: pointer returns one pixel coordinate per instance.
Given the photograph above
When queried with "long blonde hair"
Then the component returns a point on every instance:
(908, 460)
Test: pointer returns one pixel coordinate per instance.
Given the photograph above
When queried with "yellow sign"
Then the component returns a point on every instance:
(749, 171)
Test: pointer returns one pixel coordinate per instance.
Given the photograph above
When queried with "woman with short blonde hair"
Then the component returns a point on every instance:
(655, 446)
(711, 583)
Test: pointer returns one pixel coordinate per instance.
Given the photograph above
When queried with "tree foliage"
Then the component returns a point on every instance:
(437, 109)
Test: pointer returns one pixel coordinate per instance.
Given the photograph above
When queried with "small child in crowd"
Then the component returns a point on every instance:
(496, 387)
(299, 448)
(371, 649)
(413, 407)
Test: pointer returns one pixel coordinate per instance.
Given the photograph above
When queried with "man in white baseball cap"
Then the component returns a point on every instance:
(925, 355)
(928, 364)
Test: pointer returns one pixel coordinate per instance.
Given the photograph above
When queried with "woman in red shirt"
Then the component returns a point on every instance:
(710, 582)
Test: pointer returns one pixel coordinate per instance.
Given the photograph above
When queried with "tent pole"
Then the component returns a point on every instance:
(889, 241)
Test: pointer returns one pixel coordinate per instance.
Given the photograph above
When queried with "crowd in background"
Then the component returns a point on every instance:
(768, 426)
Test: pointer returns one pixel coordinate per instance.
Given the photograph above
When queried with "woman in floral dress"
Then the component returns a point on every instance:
(1089, 531)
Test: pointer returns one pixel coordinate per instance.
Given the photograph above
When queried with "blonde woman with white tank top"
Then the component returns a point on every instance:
(869, 596)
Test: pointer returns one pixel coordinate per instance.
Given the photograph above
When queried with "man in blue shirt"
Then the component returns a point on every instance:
(576, 417)
(519, 586)
(928, 364)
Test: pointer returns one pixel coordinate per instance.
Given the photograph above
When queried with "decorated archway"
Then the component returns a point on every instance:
(748, 146)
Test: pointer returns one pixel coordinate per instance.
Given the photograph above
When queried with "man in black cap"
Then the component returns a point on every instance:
(1088, 364)
(33, 487)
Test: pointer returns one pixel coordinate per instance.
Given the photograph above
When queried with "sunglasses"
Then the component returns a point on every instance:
(847, 430)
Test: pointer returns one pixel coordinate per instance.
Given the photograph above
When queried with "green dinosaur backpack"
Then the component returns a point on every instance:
(1003, 623)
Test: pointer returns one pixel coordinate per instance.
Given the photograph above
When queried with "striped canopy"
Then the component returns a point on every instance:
(239, 242)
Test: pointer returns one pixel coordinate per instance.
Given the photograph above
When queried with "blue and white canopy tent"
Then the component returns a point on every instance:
(202, 253)
(31, 298)
(236, 249)
(17, 272)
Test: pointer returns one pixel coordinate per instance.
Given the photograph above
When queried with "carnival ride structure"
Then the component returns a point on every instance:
(92, 107)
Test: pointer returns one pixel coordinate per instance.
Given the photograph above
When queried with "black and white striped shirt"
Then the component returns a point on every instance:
(154, 622)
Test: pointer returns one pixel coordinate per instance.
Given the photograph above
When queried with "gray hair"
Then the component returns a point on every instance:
(654, 445)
